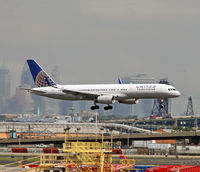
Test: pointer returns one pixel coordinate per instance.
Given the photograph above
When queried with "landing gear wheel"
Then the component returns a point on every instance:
(110, 107)
(107, 107)
(94, 107)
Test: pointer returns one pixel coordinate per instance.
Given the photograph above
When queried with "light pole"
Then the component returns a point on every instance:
(77, 130)
(128, 139)
(102, 130)
(96, 126)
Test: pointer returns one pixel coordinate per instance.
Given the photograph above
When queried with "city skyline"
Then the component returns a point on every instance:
(98, 41)
(23, 102)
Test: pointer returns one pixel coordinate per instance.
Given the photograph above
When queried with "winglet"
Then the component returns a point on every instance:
(120, 81)
(40, 77)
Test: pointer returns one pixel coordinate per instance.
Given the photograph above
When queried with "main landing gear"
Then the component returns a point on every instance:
(97, 107)
(108, 107)
(94, 107)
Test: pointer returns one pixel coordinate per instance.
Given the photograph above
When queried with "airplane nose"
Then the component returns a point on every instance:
(178, 93)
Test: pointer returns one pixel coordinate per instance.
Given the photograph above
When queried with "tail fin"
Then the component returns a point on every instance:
(40, 77)
(120, 81)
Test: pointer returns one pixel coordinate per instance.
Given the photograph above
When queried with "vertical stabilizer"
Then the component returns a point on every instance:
(120, 81)
(40, 77)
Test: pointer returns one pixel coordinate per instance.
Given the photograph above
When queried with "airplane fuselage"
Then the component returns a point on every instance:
(98, 93)
(119, 91)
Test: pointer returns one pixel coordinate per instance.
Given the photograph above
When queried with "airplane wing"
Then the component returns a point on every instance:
(81, 93)
(89, 95)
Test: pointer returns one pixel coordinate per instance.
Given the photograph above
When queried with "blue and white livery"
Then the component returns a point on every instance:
(40, 77)
(98, 93)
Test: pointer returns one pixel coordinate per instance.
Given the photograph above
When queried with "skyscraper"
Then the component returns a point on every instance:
(22, 102)
(26, 78)
(56, 74)
(4, 86)
(65, 107)
(4, 81)
(51, 106)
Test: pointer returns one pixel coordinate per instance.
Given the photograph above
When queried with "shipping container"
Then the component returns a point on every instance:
(161, 168)
(159, 146)
(188, 150)
(19, 150)
(141, 143)
(116, 151)
(185, 169)
(50, 150)
(177, 168)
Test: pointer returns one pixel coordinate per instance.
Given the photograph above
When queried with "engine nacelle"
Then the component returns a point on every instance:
(106, 99)
(129, 101)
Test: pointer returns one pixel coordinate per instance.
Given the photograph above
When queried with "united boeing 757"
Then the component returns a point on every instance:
(98, 93)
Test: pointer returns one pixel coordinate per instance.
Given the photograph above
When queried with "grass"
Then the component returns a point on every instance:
(7, 159)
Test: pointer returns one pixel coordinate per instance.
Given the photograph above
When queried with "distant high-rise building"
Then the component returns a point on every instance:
(79, 106)
(4, 86)
(82, 106)
(138, 79)
(52, 105)
(65, 107)
(62, 107)
(4, 81)
(42, 105)
(122, 109)
(26, 77)
(143, 108)
(22, 102)
(56, 74)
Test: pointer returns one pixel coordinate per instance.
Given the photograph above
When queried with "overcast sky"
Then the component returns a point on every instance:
(95, 41)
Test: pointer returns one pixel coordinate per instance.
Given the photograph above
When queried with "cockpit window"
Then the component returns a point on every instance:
(171, 89)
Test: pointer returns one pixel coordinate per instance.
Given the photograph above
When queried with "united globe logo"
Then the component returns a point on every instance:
(43, 80)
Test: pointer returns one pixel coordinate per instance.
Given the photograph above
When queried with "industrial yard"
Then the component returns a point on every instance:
(94, 147)
(136, 144)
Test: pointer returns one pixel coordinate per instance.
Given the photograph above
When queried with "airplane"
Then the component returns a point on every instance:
(98, 93)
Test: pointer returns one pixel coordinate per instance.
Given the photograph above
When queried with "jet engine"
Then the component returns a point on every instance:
(106, 99)
(129, 101)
